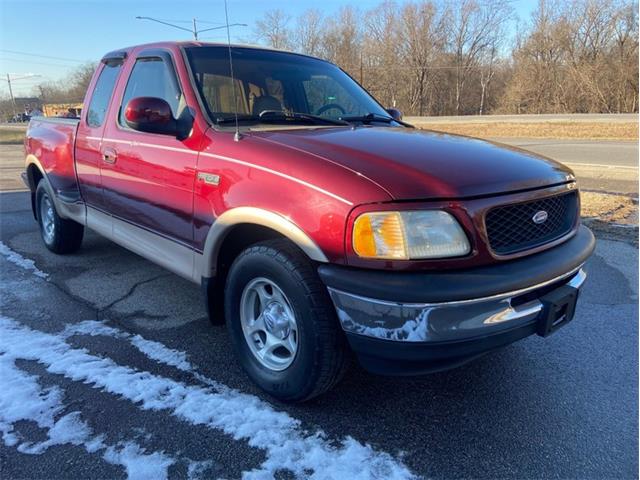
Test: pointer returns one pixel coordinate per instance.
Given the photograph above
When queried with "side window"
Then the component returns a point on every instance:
(102, 94)
(152, 77)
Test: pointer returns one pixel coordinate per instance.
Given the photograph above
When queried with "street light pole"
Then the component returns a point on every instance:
(194, 30)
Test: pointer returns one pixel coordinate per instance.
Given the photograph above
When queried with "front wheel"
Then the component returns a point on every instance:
(58, 234)
(282, 323)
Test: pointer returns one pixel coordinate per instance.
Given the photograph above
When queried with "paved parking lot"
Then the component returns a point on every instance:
(110, 368)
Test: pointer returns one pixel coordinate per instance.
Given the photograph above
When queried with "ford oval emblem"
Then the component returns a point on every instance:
(540, 217)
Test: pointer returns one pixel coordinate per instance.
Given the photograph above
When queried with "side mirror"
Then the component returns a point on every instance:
(153, 115)
(395, 113)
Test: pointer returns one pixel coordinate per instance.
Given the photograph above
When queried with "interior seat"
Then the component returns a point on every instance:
(266, 102)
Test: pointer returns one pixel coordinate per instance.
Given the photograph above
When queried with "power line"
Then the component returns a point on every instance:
(41, 56)
(5, 59)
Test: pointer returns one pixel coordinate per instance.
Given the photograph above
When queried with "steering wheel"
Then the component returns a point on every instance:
(329, 106)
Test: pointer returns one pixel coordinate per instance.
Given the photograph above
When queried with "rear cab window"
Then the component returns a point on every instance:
(102, 92)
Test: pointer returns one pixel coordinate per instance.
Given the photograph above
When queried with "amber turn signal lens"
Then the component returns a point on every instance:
(379, 235)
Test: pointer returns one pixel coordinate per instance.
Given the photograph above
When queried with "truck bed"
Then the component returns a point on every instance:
(49, 146)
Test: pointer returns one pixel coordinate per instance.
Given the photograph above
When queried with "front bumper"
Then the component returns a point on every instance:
(462, 314)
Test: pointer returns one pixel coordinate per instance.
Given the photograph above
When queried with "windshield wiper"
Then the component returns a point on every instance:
(274, 116)
(368, 118)
(288, 116)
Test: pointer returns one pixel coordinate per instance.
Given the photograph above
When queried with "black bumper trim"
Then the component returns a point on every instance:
(384, 357)
(455, 285)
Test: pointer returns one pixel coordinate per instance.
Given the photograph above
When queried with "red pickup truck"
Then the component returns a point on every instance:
(317, 223)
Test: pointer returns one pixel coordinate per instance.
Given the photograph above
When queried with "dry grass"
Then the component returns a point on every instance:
(609, 208)
(557, 130)
(11, 136)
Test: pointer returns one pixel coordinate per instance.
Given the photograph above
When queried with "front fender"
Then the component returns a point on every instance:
(256, 216)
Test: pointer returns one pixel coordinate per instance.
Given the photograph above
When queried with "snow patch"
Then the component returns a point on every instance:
(153, 350)
(139, 465)
(196, 469)
(19, 260)
(161, 353)
(242, 416)
(23, 399)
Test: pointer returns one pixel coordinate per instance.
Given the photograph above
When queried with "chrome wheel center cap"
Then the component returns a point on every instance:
(277, 320)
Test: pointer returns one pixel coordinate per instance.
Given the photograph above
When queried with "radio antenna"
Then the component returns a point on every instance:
(237, 135)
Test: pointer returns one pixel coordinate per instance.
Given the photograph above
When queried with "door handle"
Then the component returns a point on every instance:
(109, 155)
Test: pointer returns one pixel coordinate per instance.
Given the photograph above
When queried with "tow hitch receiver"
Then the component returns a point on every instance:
(559, 308)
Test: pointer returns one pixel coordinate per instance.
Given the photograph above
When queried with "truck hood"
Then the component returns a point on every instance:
(419, 165)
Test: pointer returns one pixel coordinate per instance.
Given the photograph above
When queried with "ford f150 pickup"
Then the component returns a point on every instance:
(317, 223)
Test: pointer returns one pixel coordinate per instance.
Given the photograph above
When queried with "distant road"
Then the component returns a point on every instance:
(604, 165)
(592, 152)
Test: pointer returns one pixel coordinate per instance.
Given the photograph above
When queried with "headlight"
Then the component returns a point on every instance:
(409, 235)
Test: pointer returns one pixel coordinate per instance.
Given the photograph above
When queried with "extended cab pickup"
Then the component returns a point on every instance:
(316, 222)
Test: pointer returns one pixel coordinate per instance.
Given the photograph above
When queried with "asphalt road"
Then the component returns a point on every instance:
(603, 165)
(562, 407)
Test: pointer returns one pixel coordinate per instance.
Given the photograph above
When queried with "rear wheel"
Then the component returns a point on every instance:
(58, 234)
(282, 323)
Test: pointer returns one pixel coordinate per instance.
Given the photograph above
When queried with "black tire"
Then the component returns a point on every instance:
(321, 357)
(66, 235)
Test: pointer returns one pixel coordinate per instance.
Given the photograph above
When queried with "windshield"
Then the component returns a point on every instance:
(268, 82)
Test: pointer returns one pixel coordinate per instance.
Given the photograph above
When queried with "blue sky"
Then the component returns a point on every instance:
(75, 31)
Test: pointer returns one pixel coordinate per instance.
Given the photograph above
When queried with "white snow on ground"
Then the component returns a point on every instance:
(242, 416)
(16, 258)
(137, 462)
(159, 352)
(154, 350)
(23, 399)
(197, 470)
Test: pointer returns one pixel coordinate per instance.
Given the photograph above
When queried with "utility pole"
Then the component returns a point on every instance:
(13, 100)
(193, 30)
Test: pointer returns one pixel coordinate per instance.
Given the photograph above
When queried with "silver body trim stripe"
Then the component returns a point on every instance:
(227, 159)
(280, 174)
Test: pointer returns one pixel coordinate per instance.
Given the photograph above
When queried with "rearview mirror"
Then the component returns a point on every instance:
(395, 113)
(153, 115)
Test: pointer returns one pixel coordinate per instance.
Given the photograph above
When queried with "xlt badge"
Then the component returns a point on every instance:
(209, 178)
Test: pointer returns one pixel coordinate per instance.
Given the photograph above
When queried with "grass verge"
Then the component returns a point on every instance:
(556, 130)
(10, 136)
(611, 216)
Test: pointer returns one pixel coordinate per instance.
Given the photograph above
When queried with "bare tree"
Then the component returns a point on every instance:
(70, 90)
(308, 33)
(342, 39)
(422, 39)
(473, 27)
(487, 71)
(274, 29)
(443, 57)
